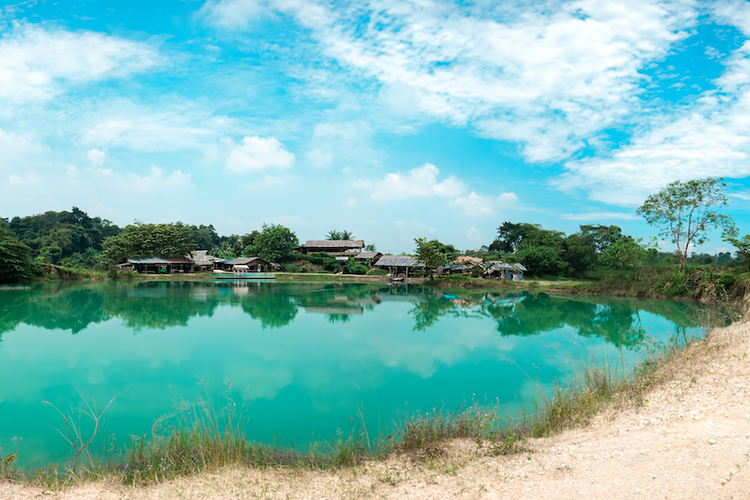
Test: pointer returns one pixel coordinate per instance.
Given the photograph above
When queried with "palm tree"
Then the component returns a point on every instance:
(339, 235)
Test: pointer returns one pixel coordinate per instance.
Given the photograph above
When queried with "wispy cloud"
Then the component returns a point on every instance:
(417, 182)
(36, 62)
(259, 153)
(545, 75)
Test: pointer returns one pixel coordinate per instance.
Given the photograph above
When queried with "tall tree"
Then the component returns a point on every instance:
(429, 254)
(148, 240)
(275, 242)
(15, 258)
(685, 211)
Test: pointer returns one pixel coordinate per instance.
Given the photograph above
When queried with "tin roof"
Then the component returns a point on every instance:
(397, 261)
(158, 260)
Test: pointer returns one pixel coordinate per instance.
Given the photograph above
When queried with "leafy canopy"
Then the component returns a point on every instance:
(434, 254)
(148, 240)
(334, 234)
(685, 211)
(15, 258)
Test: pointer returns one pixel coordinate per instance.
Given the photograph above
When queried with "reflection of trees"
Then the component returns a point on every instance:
(271, 305)
(158, 305)
(143, 305)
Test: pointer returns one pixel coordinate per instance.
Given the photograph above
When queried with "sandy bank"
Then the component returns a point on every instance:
(689, 439)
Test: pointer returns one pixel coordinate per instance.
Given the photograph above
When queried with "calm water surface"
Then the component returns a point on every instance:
(302, 359)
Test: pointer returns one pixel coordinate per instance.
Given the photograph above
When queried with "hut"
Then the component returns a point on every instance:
(368, 257)
(332, 247)
(201, 259)
(158, 265)
(398, 265)
(502, 270)
(250, 264)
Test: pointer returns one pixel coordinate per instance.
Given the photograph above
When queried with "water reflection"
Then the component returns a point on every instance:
(160, 305)
(304, 358)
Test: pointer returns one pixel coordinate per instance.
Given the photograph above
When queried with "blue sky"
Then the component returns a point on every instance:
(391, 119)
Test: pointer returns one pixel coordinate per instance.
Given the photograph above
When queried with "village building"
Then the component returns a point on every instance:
(203, 260)
(398, 266)
(368, 257)
(245, 264)
(332, 247)
(157, 265)
(502, 270)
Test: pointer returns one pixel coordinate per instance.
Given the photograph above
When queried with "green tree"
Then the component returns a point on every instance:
(685, 211)
(433, 253)
(579, 253)
(628, 253)
(15, 258)
(370, 248)
(333, 234)
(147, 240)
(600, 236)
(732, 235)
(275, 242)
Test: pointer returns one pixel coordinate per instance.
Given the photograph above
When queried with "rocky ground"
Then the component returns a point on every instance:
(690, 438)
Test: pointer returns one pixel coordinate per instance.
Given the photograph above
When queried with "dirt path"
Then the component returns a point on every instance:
(689, 440)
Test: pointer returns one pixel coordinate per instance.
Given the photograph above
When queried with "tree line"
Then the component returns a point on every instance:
(683, 213)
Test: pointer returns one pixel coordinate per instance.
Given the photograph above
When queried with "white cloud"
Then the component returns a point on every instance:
(549, 76)
(97, 157)
(232, 14)
(140, 128)
(351, 202)
(258, 153)
(417, 182)
(18, 151)
(710, 139)
(507, 200)
(474, 234)
(320, 158)
(474, 204)
(35, 61)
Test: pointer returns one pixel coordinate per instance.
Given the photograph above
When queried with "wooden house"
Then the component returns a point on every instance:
(158, 265)
(368, 257)
(249, 264)
(203, 260)
(332, 247)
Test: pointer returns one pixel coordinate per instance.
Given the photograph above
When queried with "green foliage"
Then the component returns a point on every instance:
(731, 235)
(275, 242)
(333, 234)
(84, 260)
(433, 253)
(370, 248)
(15, 258)
(54, 236)
(599, 237)
(351, 267)
(685, 212)
(147, 240)
(628, 253)
(579, 253)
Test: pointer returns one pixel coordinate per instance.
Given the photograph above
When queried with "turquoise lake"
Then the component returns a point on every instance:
(303, 359)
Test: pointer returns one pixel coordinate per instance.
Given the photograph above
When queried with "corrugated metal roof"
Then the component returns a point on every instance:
(243, 261)
(397, 261)
(335, 243)
(149, 260)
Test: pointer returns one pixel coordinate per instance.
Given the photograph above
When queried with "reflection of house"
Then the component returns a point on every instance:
(368, 257)
(245, 264)
(157, 265)
(332, 247)
(202, 259)
(398, 265)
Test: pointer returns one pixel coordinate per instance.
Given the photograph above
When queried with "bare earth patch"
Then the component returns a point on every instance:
(689, 439)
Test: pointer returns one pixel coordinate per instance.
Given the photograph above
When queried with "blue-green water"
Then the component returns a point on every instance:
(302, 359)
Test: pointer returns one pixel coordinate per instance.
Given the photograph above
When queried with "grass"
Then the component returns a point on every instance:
(210, 434)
